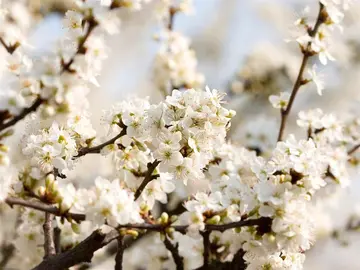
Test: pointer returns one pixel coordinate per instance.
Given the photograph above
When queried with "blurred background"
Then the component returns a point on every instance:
(240, 48)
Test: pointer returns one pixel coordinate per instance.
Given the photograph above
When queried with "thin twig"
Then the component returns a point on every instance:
(175, 254)
(208, 227)
(98, 148)
(151, 166)
(300, 81)
(9, 48)
(49, 245)
(141, 226)
(354, 149)
(81, 46)
(119, 253)
(37, 205)
(22, 114)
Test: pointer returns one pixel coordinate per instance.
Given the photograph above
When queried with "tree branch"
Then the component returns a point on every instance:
(83, 252)
(151, 166)
(37, 205)
(22, 114)
(98, 148)
(57, 239)
(175, 254)
(9, 48)
(119, 253)
(208, 227)
(81, 46)
(7, 251)
(206, 254)
(49, 245)
(300, 81)
(354, 149)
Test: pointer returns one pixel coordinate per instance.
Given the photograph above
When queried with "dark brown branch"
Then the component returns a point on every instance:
(354, 149)
(9, 48)
(151, 166)
(175, 254)
(98, 148)
(206, 254)
(172, 12)
(208, 227)
(142, 226)
(238, 262)
(119, 254)
(57, 239)
(83, 252)
(81, 46)
(7, 251)
(49, 245)
(22, 114)
(43, 207)
(300, 80)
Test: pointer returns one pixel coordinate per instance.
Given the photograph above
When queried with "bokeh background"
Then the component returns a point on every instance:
(230, 36)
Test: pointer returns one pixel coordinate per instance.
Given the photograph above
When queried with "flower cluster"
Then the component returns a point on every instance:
(175, 62)
(267, 70)
(278, 190)
(180, 133)
(15, 19)
(52, 148)
(109, 203)
(52, 151)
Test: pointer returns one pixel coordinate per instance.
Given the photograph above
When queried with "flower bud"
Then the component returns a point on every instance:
(41, 191)
(4, 160)
(164, 218)
(133, 233)
(49, 180)
(75, 227)
(214, 220)
(272, 238)
(4, 148)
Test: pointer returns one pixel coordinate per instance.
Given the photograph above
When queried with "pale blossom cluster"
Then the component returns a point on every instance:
(266, 70)
(279, 189)
(180, 133)
(52, 148)
(175, 64)
(52, 151)
(109, 202)
(15, 19)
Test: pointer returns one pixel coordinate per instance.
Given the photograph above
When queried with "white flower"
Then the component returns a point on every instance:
(191, 249)
(168, 156)
(73, 22)
(316, 79)
(281, 101)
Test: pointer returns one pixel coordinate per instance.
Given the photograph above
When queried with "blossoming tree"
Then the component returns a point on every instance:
(235, 208)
